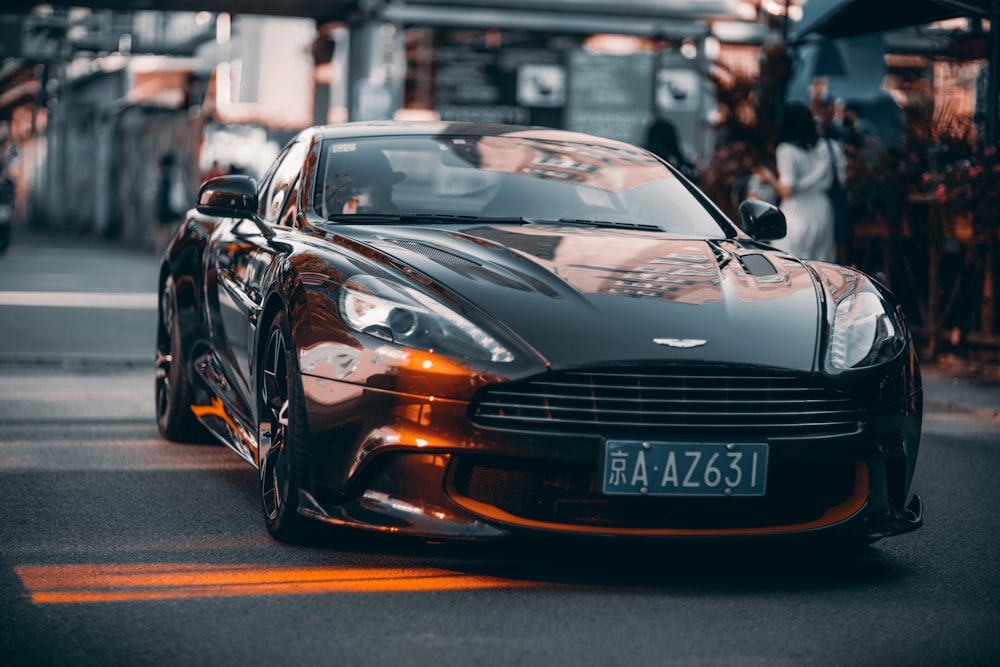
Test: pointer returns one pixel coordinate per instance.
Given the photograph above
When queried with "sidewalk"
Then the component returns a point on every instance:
(961, 390)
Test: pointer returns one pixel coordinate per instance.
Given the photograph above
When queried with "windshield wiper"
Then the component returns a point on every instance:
(417, 218)
(605, 223)
(453, 218)
(440, 217)
(364, 218)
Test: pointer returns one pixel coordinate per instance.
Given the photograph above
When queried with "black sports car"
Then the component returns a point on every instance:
(472, 332)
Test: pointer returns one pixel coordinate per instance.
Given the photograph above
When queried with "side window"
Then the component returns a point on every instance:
(278, 186)
(264, 185)
(291, 204)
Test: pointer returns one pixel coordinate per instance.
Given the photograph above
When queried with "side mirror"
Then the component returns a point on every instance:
(228, 197)
(761, 221)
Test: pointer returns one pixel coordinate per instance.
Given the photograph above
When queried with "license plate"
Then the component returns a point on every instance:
(633, 467)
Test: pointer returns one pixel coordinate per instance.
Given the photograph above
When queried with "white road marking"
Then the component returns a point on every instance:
(122, 300)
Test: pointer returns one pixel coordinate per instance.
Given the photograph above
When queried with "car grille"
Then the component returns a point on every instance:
(564, 493)
(704, 403)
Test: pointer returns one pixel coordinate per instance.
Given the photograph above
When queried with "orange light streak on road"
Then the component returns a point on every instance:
(65, 584)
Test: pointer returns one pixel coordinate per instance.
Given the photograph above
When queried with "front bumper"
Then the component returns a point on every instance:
(417, 465)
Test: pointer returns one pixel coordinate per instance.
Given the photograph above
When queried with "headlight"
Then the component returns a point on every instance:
(394, 312)
(864, 332)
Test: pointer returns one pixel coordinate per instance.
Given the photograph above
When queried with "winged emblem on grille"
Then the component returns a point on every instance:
(683, 343)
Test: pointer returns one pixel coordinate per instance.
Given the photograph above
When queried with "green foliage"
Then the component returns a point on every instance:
(742, 143)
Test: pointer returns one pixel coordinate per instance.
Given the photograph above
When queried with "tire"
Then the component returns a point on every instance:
(174, 417)
(282, 436)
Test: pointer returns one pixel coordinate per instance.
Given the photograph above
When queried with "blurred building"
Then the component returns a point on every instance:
(92, 97)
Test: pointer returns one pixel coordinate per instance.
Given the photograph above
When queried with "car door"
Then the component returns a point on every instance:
(242, 257)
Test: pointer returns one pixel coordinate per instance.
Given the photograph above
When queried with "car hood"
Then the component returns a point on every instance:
(578, 296)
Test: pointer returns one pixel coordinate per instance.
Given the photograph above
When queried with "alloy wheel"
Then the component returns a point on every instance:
(273, 429)
(164, 356)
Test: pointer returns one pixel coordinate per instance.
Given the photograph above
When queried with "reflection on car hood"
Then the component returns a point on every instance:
(577, 295)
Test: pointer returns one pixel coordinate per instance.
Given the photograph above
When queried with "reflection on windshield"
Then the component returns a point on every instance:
(610, 169)
(506, 177)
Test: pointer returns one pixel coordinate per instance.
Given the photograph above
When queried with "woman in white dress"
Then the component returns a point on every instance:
(806, 166)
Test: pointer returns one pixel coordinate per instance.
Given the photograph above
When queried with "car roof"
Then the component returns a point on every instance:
(388, 128)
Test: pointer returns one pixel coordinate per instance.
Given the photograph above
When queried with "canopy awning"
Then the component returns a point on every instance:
(844, 18)
(446, 16)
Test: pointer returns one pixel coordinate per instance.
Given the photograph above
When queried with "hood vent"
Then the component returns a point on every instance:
(758, 266)
(436, 254)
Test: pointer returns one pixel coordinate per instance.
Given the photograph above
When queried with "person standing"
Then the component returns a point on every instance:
(806, 168)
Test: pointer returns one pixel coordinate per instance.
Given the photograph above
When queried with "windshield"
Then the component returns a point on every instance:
(507, 177)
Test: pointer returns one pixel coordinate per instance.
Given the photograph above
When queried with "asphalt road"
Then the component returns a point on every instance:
(119, 548)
